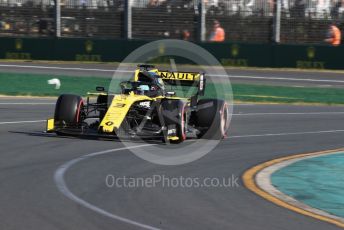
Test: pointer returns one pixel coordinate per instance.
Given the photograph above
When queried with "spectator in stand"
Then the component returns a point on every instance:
(186, 35)
(334, 35)
(153, 3)
(218, 33)
(341, 7)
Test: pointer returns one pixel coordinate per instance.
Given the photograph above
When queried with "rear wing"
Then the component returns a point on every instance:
(179, 76)
(194, 79)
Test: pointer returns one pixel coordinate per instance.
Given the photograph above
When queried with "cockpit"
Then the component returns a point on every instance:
(149, 84)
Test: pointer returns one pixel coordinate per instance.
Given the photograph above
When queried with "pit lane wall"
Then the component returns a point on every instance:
(229, 54)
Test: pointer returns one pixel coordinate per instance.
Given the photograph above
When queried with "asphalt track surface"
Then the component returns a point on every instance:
(30, 197)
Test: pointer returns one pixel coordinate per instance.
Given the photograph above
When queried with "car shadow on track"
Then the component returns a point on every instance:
(88, 137)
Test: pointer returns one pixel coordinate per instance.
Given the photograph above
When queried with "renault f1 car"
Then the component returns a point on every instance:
(144, 108)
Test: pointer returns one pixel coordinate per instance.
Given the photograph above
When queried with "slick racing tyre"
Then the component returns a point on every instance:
(68, 110)
(212, 119)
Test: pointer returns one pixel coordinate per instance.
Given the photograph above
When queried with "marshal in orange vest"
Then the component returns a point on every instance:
(334, 36)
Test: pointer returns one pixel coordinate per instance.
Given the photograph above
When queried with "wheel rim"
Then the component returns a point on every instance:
(183, 124)
(224, 117)
(78, 112)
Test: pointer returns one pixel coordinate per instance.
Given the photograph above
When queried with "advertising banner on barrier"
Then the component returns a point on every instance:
(229, 54)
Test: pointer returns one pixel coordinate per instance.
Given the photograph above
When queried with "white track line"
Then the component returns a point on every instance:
(20, 122)
(283, 78)
(239, 114)
(214, 75)
(62, 186)
(305, 113)
(58, 68)
(26, 103)
(288, 134)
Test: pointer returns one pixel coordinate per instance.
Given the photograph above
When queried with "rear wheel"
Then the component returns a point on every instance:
(212, 119)
(68, 110)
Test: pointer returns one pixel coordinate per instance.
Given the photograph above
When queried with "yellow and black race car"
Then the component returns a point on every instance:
(145, 109)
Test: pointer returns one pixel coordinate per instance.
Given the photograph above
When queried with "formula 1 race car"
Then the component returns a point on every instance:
(146, 109)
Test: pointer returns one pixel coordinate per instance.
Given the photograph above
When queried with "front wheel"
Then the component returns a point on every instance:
(68, 111)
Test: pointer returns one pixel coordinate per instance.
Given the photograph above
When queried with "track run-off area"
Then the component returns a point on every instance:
(51, 182)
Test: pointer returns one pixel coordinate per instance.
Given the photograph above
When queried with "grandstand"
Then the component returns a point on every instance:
(254, 21)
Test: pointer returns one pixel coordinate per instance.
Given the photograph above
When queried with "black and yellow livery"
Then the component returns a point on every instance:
(144, 108)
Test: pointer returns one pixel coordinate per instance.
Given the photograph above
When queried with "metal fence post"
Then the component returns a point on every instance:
(201, 21)
(277, 21)
(128, 19)
(58, 18)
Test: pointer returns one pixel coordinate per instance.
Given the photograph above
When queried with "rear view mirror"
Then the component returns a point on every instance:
(170, 93)
(100, 88)
(201, 85)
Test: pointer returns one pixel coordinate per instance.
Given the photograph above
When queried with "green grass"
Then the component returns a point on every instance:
(36, 85)
(282, 94)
